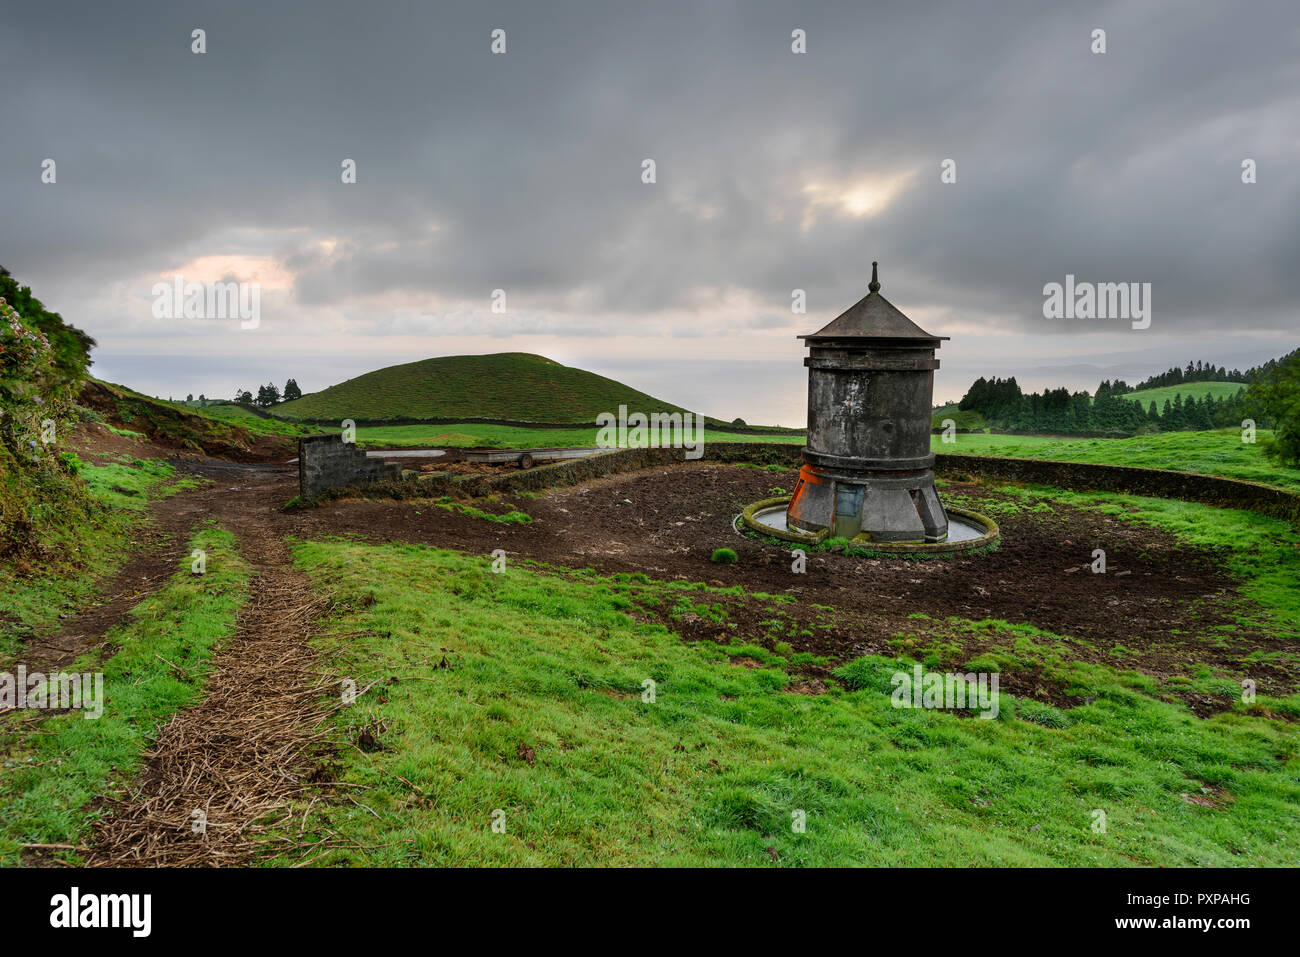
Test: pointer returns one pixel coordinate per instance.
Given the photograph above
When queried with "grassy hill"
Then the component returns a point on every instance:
(505, 385)
(1220, 390)
(962, 418)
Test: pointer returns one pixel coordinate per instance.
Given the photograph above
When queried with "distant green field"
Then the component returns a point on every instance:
(1199, 390)
(508, 385)
(1219, 452)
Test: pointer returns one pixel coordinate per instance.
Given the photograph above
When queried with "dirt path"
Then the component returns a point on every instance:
(219, 769)
(159, 540)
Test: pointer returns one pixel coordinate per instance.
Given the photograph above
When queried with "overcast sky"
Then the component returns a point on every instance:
(775, 171)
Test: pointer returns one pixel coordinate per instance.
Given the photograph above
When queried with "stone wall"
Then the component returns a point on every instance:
(326, 462)
(629, 460)
(711, 425)
(1157, 483)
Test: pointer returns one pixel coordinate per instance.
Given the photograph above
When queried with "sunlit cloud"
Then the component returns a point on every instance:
(860, 198)
(267, 271)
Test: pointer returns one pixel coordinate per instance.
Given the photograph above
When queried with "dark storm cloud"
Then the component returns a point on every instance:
(522, 171)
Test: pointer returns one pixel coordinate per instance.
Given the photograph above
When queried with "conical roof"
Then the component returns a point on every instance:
(873, 317)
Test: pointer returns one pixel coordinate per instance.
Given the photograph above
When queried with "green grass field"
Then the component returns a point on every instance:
(516, 729)
(508, 385)
(1220, 452)
(1188, 390)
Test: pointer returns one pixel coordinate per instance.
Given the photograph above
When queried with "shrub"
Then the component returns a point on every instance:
(1035, 711)
(1279, 393)
(42, 365)
(724, 556)
(871, 672)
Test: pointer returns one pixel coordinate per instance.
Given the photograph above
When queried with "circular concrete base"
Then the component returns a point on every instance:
(967, 531)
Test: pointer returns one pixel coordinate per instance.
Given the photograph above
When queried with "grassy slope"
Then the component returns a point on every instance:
(528, 700)
(56, 764)
(170, 422)
(240, 416)
(508, 385)
(1220, 452)
(1220, 390)
(81, 556)
(962, 419)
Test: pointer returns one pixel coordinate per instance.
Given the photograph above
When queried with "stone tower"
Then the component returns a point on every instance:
(867, 464)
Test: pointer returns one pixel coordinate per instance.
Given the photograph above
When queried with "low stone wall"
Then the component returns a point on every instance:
(512, 423)
(326, 462)
(1157, 483)
(629, 460)
(340, 466)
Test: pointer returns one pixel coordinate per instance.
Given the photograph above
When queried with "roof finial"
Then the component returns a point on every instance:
(874, 286)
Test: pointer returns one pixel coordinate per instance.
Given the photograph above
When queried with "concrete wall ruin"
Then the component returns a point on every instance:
(326, 462)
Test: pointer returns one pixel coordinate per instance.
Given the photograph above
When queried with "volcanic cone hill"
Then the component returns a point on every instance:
(506, 385)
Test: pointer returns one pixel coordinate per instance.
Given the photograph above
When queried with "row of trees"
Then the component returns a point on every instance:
(1060, 411)
(268, 395)
(1197, 372)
